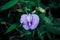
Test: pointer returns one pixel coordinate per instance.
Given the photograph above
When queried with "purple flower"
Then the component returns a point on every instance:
(29, 21)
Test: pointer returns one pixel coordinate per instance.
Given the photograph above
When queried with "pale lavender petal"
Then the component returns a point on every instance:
(23, 18)
(26, 27)
(23, 21)
(35, 21)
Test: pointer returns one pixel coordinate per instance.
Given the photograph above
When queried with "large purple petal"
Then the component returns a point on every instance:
(35, 21)
(23, 21)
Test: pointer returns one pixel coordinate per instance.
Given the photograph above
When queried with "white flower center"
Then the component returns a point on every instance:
(29, 18)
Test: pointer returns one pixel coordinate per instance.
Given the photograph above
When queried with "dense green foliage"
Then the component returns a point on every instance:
(11, 11)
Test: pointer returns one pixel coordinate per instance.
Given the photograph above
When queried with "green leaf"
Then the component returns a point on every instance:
(40, 4)
(46, 19)
(55, 29)
(50, 17)
(11, 28)
(26, 32)
(49, 36)
(41, 32)
(8, 5)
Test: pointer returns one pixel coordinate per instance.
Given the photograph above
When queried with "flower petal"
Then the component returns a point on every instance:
(23, 18)
(29, 17)
(23, 21)
(35, 21)
(26, 27)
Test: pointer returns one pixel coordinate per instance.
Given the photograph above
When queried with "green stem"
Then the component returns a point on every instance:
(17, 30)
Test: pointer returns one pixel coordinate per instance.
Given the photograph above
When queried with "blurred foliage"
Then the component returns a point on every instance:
(11, 11)
(8, 4)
